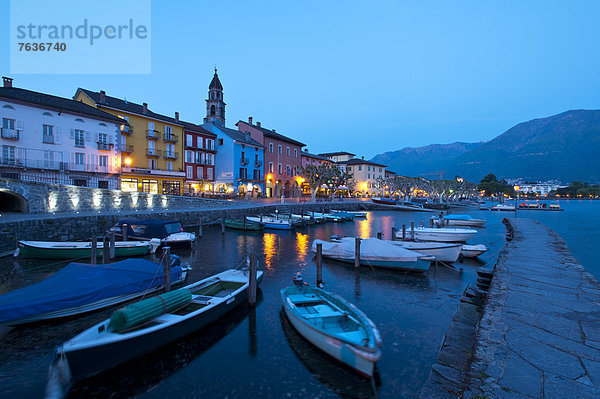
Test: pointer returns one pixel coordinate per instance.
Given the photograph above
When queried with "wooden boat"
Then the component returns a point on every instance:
(333, 325)
(459, 220)
(237, 224)
(170, 232)
(272, 223)
(473, 251)
(79, 250)
(106, 345)
(443, 234)
(384, 201)
(375, 253)
(80, 288)
(344, 215)
(444, 252)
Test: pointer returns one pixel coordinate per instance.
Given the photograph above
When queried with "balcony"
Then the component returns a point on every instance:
(171, 155)
(105, 146)
(258, 163)
(244, 161)
(152, 134)
(126, 130)
(127, 148)
(170, 138)
(10, 134)
(152, 152)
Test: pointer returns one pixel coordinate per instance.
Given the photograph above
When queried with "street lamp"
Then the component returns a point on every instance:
(517, 199)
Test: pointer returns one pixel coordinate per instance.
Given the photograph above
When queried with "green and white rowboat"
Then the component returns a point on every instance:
(240, 225)
(73, 249)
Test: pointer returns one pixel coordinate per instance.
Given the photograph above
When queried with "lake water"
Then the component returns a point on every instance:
(255, 352)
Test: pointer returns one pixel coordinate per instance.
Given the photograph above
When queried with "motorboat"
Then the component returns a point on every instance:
(503, 207)
(443, 252)
(237, 224)
(272, 223)
(356, 214)
(170, 232)
(458, 220)
(473, 251)
(147, 325)
(333, 325)
(79, 288)
(383, 201)
(375, 253)
(441, 234)
(81, 250)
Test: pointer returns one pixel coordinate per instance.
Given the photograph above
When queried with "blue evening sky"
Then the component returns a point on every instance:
(362, 76)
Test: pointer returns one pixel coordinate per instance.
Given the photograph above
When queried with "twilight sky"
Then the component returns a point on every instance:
(362, 76)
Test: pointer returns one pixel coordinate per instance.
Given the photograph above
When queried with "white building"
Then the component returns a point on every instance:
(57, 140)
(541, 189)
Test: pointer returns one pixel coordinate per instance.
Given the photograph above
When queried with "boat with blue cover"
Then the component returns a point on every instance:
(147, 325)
(82, 287)
(333, 325)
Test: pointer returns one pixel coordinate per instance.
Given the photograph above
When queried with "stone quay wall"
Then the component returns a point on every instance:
(539, 332)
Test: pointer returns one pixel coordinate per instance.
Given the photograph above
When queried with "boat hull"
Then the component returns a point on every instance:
(473, 251)
(239, 225)
(419, 266)
(36, 252)
(443, 253)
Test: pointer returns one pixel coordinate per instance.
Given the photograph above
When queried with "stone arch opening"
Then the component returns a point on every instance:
(13, 202)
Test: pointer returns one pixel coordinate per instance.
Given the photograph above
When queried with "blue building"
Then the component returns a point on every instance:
(239, 161)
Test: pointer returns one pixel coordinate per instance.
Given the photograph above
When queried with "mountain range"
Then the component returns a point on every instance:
(562, 147)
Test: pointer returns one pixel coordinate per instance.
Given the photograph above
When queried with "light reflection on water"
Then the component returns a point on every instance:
(254, 354)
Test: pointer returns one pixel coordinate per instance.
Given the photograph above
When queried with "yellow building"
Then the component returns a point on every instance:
(152, 160)
(366, 174)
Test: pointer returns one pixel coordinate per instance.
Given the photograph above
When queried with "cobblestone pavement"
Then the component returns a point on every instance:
(539, 336)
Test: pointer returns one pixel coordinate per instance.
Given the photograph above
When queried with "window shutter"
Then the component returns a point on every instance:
(56, 135)
(72, 133)
(19, 125)
(96, 137)
(150, 125)
(88, 136)
(72, 161)
(88, 163)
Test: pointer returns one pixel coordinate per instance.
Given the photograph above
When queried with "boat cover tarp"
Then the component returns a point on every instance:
(154, 228)
(458, 217)
(79, 284)
(370, 249)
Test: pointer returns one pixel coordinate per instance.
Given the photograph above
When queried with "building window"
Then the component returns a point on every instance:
(349, 168)
(153, 165)
(48, 134)
(189, 172)
(279, 149)
(150, 186)
(189, 156)
(169, 165)
(200, 171)
(271, 148)
(80, 182)
(368, 175)
(168, 131)
(212, 110)
(288, 170)
(380, 169)
(210, 159)
(256, 174)
(210, 144)
(295, 153)
(368, 168)
(79, 138)
(209, 173)
(279, 168)
(270, 167)
(103, 184)
(359, 167)
(8, 154)
(220, 141)
(129, 185)
(79, 158)
(287, 151)
(243, 173)
(189, 140)
(102, 160)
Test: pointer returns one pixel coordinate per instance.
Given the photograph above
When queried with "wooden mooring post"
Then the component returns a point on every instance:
(379, 236)
(111, 252)
(167, 268)
(320, 265)
(252, 283)
(403, 232)
(393, 233)
(244, 222)
(200, 230)
(94, 259)
(412, 231)
(105, 249)
(357, 252)
(222, 225)
(125, 235)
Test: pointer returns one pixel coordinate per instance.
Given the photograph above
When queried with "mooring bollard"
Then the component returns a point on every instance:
(125, 235)
(200, 230)
(105, 249)
(222, 225)
(320, 265)
(357, 252)
(393, 233)
(412, 231)
(252, 281)
(244, 222)
(167, 268)
(431, 221)
(379, 236)
(403, 232)
(94, 249)
(111, 252)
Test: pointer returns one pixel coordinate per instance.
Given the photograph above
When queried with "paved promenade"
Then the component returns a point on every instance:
(539, 336)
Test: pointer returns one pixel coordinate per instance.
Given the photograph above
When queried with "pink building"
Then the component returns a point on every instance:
(313, 159)
(282, 156)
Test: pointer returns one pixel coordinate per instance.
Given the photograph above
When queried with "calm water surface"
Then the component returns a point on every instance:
(256, 353)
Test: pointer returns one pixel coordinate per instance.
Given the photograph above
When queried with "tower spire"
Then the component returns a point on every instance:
(215, 106)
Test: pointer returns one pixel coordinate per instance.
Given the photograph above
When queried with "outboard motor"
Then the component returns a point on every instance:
(298, 280)
(175, 261)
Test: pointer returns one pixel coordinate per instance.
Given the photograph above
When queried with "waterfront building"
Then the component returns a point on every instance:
(540, 189)
(314, 159)
(239, 165)
(50, 139)
(199, 159)
(389, 174)
(339, 156)
(283, 155)
(366, 174)
(150, 145)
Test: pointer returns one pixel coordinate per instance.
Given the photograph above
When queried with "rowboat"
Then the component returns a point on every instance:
(145, 326)
(473, 251)
(241, 225)
(333, 325)
(384, 201)
(78, 250)
(459, 220)
(79, 288)
(170, 232)
(444, 252)
(376, 253)
(503, 207)
(343, 214)
(272, 223)
(443, 234)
